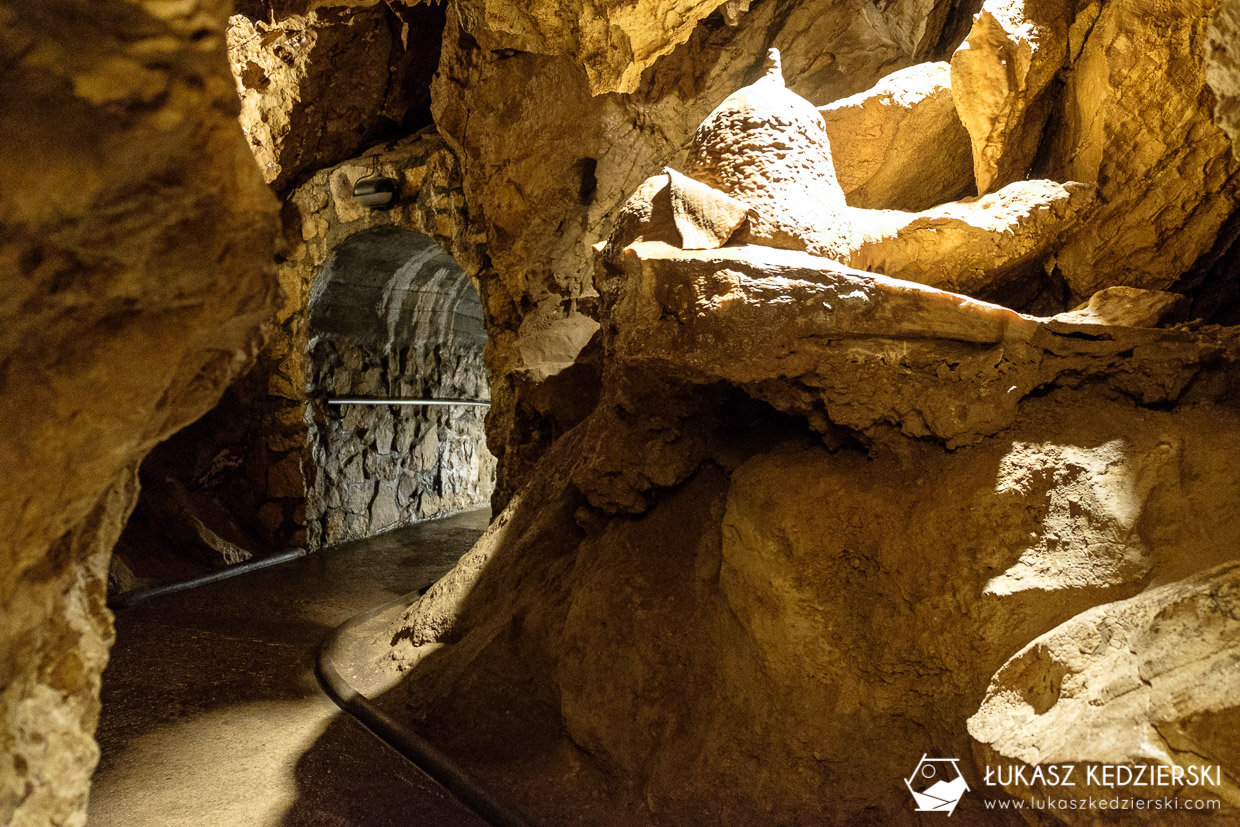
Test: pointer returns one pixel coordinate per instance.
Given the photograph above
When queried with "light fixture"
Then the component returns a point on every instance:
(374, 190)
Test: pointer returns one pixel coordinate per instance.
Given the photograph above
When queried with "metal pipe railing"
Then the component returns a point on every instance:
(426, 756)
(363, 400)
(133, 597)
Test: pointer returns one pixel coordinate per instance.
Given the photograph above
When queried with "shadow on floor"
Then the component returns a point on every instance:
(212, 714)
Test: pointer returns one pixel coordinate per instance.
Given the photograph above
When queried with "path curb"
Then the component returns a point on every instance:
(442, 769)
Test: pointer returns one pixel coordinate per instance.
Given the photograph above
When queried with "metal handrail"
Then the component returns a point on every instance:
(364, 400)
(421, 752)
(133, 597)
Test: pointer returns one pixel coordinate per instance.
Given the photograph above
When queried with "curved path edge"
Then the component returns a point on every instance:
(442, 769)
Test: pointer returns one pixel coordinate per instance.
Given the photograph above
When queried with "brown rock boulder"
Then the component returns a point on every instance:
(900, 145)
(1106, 94)
(1127, 306)
(1146, 684)
(978, 246)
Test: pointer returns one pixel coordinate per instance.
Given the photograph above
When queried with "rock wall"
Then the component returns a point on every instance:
(392, 315)
(1223, 67)
(380, 467)
(268, 441)
(825, 521)
(319, 83)
(136, 240)
(792, 628)
(1136, 119)
(794, 621)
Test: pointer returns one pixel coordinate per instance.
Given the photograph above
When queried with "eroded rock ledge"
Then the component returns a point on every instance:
(818, 511)
(783, 634)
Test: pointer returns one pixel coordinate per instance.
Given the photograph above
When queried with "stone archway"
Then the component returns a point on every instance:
(393, 316)
(276, 462)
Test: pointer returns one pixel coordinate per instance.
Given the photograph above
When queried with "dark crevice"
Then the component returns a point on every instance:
(955, 28)
(586, 168)
(1086, 337)
(1212, 284)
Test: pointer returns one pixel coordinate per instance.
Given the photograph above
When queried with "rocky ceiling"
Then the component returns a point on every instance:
(784, 505)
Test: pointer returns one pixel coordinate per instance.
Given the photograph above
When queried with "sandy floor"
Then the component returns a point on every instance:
(212, 714)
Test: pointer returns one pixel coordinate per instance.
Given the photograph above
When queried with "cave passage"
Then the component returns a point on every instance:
(394, 317)
(863, 382)
(212, 715)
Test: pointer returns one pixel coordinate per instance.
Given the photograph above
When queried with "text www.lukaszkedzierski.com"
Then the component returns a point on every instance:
(1094, 804)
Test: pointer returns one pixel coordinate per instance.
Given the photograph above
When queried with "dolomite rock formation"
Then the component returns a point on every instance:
(317, 86)
(1135, 126)
(774, 320)
(136, 247)
(1000, 77)
(1127, 307)
(845, 348)
(641, 569)
(549, 151)
(615, 43)
(976, 246)
(1147, 682)
(816, 508)
(765, 151)
(883, 140)
(1223, 67)
(791, 628)
(1130, 118)
(546, 162)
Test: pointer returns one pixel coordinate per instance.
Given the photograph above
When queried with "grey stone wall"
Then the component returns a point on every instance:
(379, 467)
(260, 453)
(393, 316)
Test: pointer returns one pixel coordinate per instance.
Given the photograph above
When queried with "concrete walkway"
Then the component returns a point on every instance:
(212, 714)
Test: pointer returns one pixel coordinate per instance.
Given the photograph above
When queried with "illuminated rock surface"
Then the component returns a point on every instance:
(136, 249)
(1147, 682)
(809, 451)
(881, 140)
(720, 618)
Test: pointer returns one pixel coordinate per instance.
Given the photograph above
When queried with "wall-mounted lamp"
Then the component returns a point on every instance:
(374, 190)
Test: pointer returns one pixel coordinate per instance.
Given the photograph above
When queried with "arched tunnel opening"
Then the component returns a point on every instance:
(397, 386)
(393, 486)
